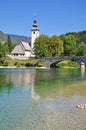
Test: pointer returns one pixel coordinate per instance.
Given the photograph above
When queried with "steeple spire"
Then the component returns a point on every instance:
(35, 26)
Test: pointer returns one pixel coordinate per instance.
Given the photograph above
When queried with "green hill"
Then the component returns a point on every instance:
(14, 38)
(2, 36)
(80, 36)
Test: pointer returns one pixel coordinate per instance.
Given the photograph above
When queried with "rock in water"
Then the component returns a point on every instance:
(82, 106)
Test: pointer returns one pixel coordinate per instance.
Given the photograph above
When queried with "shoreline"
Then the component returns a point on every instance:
(14, 67)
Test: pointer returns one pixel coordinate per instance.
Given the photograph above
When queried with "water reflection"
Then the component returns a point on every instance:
(82, 73)
(45, 82)
(42, 99)
(65, 83)
(22, 79)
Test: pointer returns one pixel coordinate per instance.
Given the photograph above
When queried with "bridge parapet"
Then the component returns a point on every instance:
(51, 62)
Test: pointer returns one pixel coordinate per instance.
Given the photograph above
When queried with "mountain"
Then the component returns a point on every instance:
(14, 38)
(2, 36)
(18, 38)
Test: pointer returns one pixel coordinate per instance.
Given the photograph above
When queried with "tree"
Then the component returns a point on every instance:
(41, 46)
(81, 50)
(55, 46)
(9, 43)
(69, 45)
(3, 49)
(1, 52)
(81, 37)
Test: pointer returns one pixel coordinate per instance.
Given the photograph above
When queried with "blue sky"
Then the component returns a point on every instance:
(54, 17)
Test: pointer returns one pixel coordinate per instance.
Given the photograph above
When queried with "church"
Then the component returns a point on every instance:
(25, 50)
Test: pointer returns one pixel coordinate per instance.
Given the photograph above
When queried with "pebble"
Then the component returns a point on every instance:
(82, 106)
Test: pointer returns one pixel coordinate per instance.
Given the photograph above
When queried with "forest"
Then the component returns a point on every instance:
(69, 44)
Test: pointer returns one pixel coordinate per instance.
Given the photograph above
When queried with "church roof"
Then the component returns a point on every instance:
(21, 48)
(26, 45)
(18, 50)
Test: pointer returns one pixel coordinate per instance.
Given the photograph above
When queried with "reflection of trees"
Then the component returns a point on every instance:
(56, 83)
(61, 88)
(45, 82)
(54, 74)
(5, 85)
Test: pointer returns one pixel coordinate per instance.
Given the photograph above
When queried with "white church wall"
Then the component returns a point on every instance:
(28, 53)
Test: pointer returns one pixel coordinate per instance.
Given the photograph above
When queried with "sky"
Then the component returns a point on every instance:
(54, 17)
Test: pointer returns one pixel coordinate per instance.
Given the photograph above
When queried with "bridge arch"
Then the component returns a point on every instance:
(51, 62)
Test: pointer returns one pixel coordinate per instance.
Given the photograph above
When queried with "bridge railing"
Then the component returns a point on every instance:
(48, 61)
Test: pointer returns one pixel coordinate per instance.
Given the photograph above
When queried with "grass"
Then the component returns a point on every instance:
(21, 63)
(68, 63)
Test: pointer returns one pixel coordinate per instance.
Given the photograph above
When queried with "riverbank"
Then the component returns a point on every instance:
(15, 63)
(13, 67)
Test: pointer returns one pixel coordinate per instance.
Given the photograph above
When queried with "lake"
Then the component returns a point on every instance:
(42, 99)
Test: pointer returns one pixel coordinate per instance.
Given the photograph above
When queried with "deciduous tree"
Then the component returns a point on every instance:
(69, 45)
(81, 50)
(56, 46)
(41, 46)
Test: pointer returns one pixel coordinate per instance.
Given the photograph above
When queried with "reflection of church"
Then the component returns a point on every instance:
(24, 81)
(25, 50)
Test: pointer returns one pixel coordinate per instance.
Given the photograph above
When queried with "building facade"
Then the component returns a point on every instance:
(24, 50)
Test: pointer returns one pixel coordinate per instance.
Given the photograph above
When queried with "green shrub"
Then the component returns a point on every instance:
(17, 64)
(68, 63)
(6, 63)
(39, 64)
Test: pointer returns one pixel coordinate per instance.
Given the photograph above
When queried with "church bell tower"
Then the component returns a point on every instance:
(34, 33)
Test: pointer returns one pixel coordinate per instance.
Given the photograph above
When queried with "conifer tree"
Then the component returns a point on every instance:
(9, 43)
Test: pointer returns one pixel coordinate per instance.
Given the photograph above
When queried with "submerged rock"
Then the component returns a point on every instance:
(82, 106)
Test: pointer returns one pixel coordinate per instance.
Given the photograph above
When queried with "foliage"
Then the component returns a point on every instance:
(69, 45)
(68, 63)
(33, 63)
(23, 63)
(17, 64)
(48, 47)
(79, 36)
(41, 46)
(3, 50)
(55, 46)
(4, 62)
(81, 50)
(9, 43)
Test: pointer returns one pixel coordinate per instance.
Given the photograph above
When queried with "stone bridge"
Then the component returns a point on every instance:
(51, 62)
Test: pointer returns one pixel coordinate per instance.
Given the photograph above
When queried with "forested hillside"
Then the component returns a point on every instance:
(14, 38)
(74, 43)
(79, 36)
(69, 44)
